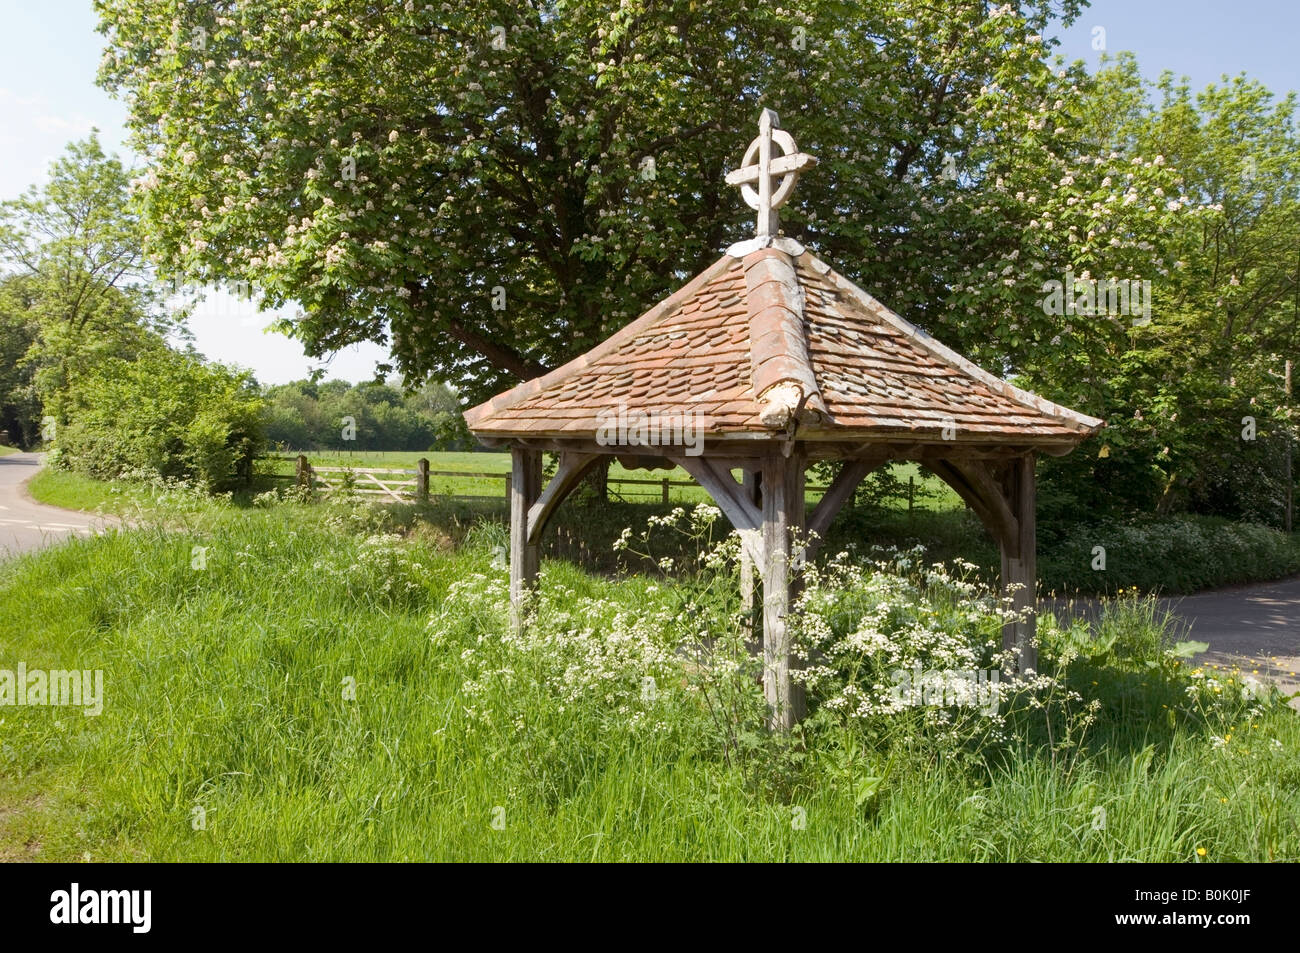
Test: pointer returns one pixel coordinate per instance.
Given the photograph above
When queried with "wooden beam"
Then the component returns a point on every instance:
(1019, 565)
(976, 486)
(783, 516)
(837, 494)
(1005, 501)
(573, 467)
(995, 497)
(745, 517)
(525, 486)
(752, 489)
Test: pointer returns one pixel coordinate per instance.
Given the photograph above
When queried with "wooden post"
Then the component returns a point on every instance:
(1019, 564)
(752, 489)
(525, 485)
(783, 516)
(422, 480)
(303, 471)
(665, 490)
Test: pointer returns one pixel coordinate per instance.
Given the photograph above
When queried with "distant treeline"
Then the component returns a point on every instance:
(333, 415)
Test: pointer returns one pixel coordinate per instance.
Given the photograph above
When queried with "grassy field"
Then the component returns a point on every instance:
(74, 491)
(1178, 554)
(5, 451)
(334, 683)
(934, 493)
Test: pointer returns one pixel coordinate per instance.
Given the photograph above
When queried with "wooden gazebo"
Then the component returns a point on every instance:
(775, 360)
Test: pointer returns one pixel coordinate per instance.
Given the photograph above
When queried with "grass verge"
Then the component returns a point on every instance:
(313, 687)
(1172, 556)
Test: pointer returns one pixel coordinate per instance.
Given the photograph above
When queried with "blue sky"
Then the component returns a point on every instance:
(49, 53)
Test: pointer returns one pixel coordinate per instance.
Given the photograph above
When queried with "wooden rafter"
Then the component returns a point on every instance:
(837, 494)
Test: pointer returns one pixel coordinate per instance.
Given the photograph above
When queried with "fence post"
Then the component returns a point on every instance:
(665, 489)
(422, 480)
(510, 485)
(303, 471)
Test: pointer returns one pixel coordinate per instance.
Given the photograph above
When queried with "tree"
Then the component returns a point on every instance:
(20, 411)
(493, 188)
(1177, 393)
(374, 416)
(78, 282)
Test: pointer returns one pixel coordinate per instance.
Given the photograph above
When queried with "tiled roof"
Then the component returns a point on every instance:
(769, 318)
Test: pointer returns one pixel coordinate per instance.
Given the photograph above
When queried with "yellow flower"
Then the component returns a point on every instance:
(1223, 800)
(1201, 851)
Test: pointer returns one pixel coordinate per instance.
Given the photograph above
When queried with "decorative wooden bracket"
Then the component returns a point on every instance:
(974, 482)
(837, 494)
(573, 467)
(745, 516)
(1003, 496)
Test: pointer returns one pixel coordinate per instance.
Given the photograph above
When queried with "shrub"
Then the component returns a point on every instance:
(1175, 554)
(165, 413)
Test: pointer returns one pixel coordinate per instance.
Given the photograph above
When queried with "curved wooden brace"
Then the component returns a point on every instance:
(732, 499)
(975, 485)
(837, 494)
(573, 467)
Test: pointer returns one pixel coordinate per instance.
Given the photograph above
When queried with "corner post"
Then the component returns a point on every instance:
(752, 489)
(783, 517)
(1019, 563)
(525, 486)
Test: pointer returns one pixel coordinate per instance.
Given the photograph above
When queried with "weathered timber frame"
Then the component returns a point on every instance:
(786, 361)
(767, 509)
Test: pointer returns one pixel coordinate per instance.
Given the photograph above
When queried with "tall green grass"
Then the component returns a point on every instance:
(229, 689)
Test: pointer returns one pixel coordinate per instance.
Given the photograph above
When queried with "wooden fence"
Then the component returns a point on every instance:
(403, 485)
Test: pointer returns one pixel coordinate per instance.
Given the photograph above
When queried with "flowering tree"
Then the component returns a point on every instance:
(492, 188)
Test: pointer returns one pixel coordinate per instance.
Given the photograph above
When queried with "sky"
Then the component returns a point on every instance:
(50, 51)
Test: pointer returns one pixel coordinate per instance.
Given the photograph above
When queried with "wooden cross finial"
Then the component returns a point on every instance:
(771, 195)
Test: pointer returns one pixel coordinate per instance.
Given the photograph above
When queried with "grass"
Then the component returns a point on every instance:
(1173, 555)
(5, 451)
(74, 491)
(227, 690)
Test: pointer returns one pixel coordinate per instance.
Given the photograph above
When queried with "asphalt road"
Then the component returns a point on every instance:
(26, 524)
(1251, 627)
(1255, 628)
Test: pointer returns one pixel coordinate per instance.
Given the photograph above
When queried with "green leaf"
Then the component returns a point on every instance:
(866, 789)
